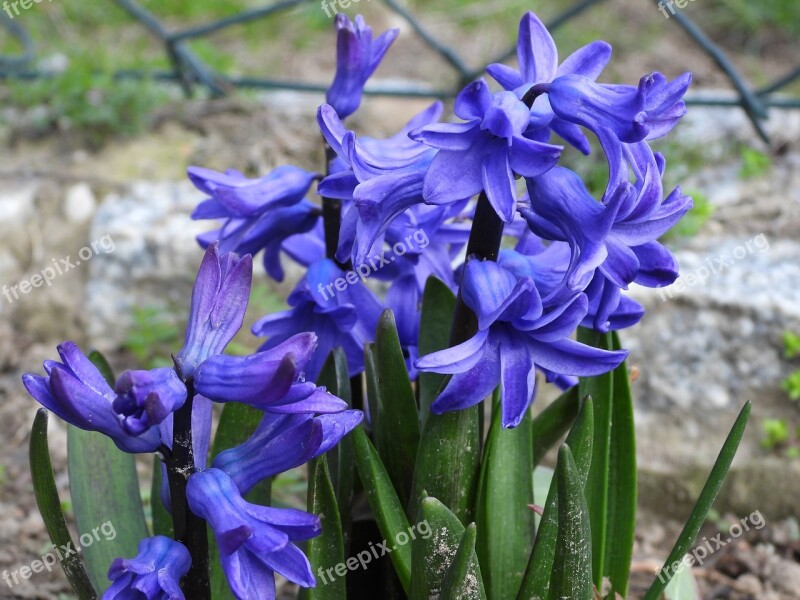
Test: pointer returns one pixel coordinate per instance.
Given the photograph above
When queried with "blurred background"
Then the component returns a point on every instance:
(96, 132)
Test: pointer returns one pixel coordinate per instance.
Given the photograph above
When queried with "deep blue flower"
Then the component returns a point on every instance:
(283, 442)
(485, 152)
(146, 398)
(341, 311)
(382, 179)
(272, 379)
(153, 574)
(538, 64)
(516, 334)
(76, 391)
(219, 301)
(254, 541)
(357, 57)
(260, 214)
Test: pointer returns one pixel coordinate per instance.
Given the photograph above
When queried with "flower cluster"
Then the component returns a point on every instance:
(463, 186)
(575, 254)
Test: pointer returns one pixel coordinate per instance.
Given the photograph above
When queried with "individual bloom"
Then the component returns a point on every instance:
(538, 64)
(484, 153)
(146, 398)
(609, 309)
(255, 542)
(357, 57)
(153, 574)
(634, 113)
(383, 178)
(283, 442)
(258, 213)
(219, 301)
(272, 379)
(516, 334)
(77, 392)
(339, 308)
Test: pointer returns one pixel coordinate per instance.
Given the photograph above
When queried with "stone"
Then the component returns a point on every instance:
(79, 203)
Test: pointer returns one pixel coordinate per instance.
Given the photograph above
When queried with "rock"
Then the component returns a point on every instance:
(152, 258)
(79, 203)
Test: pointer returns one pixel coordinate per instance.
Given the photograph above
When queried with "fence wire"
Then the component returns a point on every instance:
(191, 72)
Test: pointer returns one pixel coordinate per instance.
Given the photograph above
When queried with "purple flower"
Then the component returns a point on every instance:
(383, 178)
(342, 312)
(538, 64)
(259, 213)
(154, 574)
(516, 334)
(357, 57)
(484, 153)
(254, 541)
(648, 111)
(219, 301)
(76, 391)
(146, 398)
(271, 380)
(283, 442)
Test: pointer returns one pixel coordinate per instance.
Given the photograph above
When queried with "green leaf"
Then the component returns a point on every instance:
(448, 461)
(341, 462)
(463, 579)
(505, 523)
(572, 569)
(395, 425)
(435, 552)
(105, 489)
(99, 361)
(601, 389)
(162, 520)
(326, 550)
(536, 583)
(44, 488)
(622, 482)
(236, 424)
(386, 506)
(553, 422)
(703, 504)
(438, 305)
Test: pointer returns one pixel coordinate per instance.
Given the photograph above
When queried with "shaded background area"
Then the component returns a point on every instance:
(85, 156)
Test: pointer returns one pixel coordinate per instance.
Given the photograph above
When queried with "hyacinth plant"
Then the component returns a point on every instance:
(449, 271)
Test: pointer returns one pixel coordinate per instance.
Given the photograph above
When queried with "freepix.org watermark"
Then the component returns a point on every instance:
(670, 4)
(58, 554)
(754, 520)
(327, 5)
(104, 245)
(17, 4)
(363, 558)
(374, 263)
(714, 266)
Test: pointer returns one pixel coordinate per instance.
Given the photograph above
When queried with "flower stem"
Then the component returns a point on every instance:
(331, 215)
(484, 243)
(190, 529)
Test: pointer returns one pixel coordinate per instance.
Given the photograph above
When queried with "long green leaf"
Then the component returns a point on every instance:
(236, 424)
(601, 389)
(505, 523)
(703, 504)
(325, 551)
(386, 506)
(536, 583)
(44, 488)
(105, 495)
(622, 482)
(448, 461)
(438, 305)
(572, 570)
(463, 580)
(435, 549)
(395, 426)
(341, 462)
(553, 422)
